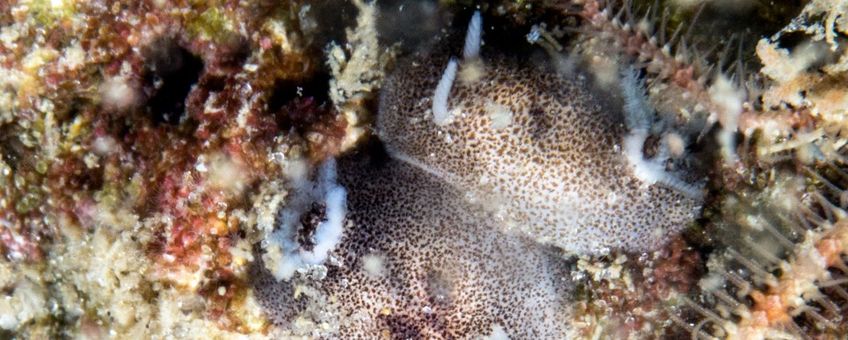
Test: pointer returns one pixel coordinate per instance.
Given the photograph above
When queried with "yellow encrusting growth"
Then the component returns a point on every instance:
(358, 70)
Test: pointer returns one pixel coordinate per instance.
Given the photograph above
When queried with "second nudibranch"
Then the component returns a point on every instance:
(540, 149)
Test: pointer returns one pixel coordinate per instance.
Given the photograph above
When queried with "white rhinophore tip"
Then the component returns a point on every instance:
(440, 97)
(472, 38)
(729, 102)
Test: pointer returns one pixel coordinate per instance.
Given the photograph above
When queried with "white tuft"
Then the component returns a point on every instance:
(501, 116)
(374, 265)
(675, 144)
(223, 173)
(473, 37)
(104, 146)
(117, 93)
(284, 254)
(498, 333)
(74, 57)
(471, 71)
(441, 114)
(638, 118)
(728, 100)
(296, 171)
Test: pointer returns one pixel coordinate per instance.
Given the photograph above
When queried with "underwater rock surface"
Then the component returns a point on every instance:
(148, 148)
(416, 261)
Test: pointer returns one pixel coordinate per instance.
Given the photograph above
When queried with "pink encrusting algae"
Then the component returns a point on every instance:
(143, 127)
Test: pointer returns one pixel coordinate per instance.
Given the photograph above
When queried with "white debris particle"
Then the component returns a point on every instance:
(117, 93)
(374, 265)
(74, 57)
(675, 143)
(498, 333)
(501, 116)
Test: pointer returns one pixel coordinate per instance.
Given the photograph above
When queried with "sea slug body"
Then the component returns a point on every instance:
(555, 170)
(417, 261)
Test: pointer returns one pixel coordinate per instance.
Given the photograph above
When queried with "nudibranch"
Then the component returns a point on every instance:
(550, 154)
(418, 261)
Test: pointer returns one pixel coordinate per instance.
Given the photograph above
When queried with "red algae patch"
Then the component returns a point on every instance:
(134, 140)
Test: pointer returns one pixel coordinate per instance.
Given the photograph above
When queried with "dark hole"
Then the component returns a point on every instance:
(213, 84)
(376, 153)
(317, 87)
(170, 72)
(13, 150)
(239, 52)
(90, 179)
(73, 109)
(651, 146)
(394, 25)
(791, 40)
(299, 104)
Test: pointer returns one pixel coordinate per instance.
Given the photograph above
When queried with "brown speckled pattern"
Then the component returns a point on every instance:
(447, 272)
(556, 172)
